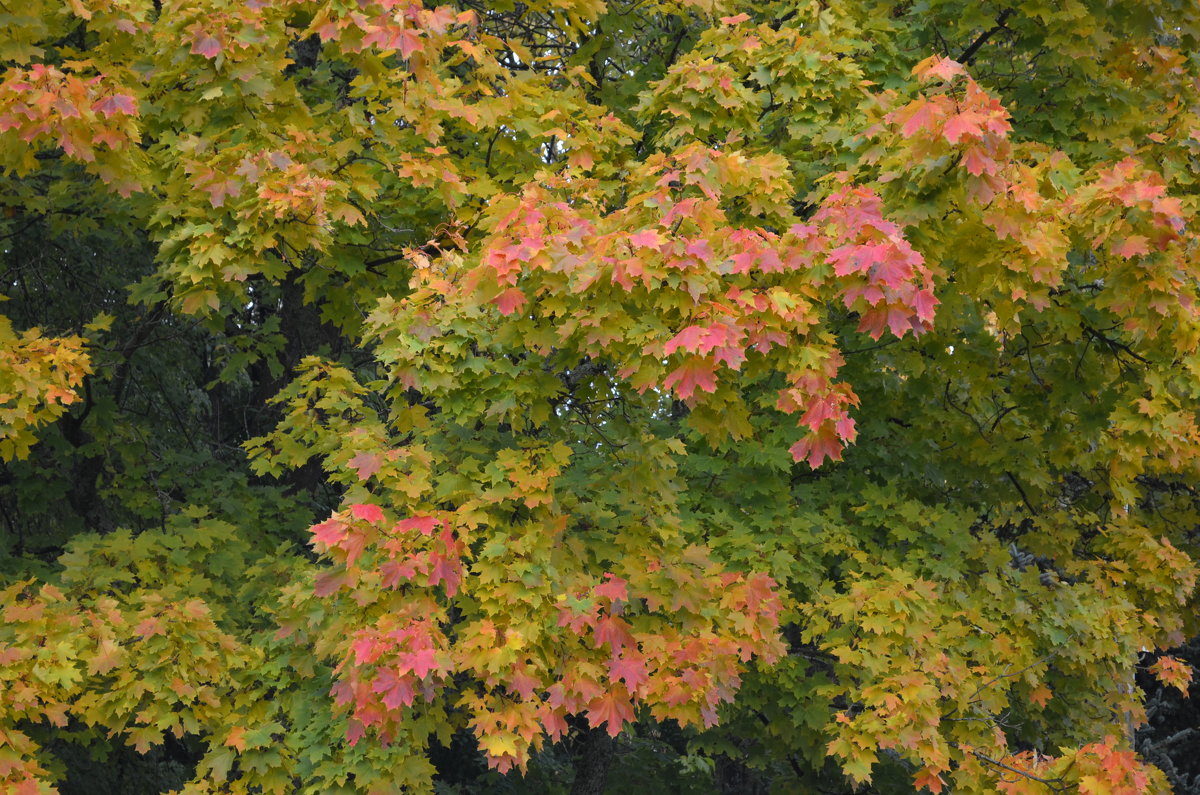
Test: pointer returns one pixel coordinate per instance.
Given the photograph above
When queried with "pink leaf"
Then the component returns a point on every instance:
(690, 375)
(920, 116)
(960, 125)
(647, 238)
(328, 533)
(977, 162)
(1132, 246)
(937, 66)
(816, 447)
(329, 582)
(422, 524)
(629, 669)
(689, 339)
(421, 662)
(510, 300)
(365, 464)
(700, 250)
(410, 42)
(208, 46)
(613, 587)
(117, 103)
(367, 512)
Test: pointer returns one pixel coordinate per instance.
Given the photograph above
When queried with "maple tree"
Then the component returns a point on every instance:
(803, 392)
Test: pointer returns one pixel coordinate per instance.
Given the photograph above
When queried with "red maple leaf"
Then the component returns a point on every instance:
(610, 709)
(394, 571)
(366, 649)
(817, 447)
(977, 162)
(445, 569)
(510, 300)
(689, 339)
(523, 684)
(329, 582)
(1132, 246)
(613, 587)
(365, 464)
(937, 66)
(117, 103)
(630, 669)
(367, 512)
(928, 777)
(647, 238)
(424, 525)
(700, 250)
(919, 116)
(410, 42)
(206, 45)
(613, 631)
(150, 627)
(328, 533)
(962, 124)
(420, 662)
(691, 374)
(353, 544)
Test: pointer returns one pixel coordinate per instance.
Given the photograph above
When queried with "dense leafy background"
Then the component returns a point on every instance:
(569, 396)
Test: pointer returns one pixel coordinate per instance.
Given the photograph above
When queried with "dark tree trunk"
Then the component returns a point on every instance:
(592, 760)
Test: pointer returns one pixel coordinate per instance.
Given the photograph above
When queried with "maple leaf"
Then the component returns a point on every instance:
(409, 42)
(116, 104)
(816, 447)
(1173, 672)
(365, 464)
(689, 339)
(628, 668)
(691, 374)
(445, 569)
(206, 45)
(939, 67)
(977, 162)
(329, 582)
(918, 115)
(510, 300)
(353, 543)
(421, 662)
(962, 124)
(425, 525)
(523, 684)
(646, 238)
(1041, 695)
(107, 657)
(328, 533)
(931, 778)
(1132, 246)
(700, 249)
(367, 512)
(149, 627)
(610, 709)
(236, 738)
(394, 571)
(613, 587)
(613, 631)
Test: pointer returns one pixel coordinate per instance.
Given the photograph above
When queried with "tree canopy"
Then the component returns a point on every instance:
(399, 397)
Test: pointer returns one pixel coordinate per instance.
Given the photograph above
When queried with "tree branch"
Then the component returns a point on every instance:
(968, 54)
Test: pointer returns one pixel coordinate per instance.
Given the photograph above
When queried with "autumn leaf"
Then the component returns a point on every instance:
(367, 512)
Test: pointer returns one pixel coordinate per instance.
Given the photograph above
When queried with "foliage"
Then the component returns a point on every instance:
(812, 384)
